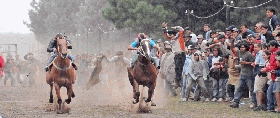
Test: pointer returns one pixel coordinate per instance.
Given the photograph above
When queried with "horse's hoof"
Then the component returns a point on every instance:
(67, 101)
(135, 102)
(50, 100)
(147, 101)
(153, 104)
(59, 112)
(73, 95)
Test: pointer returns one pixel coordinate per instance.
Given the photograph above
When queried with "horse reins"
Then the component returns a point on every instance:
(56, 65)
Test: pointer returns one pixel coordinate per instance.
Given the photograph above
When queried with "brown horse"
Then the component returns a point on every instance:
(143, 73)
(61, 74)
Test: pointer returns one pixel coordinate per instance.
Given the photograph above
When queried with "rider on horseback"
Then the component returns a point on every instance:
(52, 48)
(136, 44)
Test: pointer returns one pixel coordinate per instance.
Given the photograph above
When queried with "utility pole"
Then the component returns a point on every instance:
(228, 9)
(188, 12)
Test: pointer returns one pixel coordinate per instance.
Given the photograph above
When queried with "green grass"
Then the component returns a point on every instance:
(214, 109)
(190, 109)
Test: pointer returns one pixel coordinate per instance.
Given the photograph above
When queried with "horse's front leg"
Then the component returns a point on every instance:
(59, 100)
(51, 94)
(150, 93)
(136, 91)
(50, 82)
(69, 93)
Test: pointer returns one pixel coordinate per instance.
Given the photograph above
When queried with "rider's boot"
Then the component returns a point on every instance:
(46, 68)
(49, 62)
(131, 65)
(75, 65)
(158, 67)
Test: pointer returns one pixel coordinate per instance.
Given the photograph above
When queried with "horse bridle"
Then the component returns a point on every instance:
(56, 65)
(58, 50)
(142, 52)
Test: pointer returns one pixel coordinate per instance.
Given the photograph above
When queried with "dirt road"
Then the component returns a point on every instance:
(106, 99)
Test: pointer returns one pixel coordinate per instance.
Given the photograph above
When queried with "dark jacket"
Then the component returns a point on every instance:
(53, 43)
(224, 72)
(274, 23)
(268, 36)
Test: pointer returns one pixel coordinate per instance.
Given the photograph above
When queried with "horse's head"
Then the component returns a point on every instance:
(145, 49)
(62, 47)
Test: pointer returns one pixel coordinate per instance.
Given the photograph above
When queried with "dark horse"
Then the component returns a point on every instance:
(143, 73)
(61, 74)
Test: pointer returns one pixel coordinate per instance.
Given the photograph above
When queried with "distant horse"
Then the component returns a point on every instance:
(61, 74)
(143, 73)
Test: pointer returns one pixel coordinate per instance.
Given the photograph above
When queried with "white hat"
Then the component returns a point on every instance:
(199, 36)
(190, 47)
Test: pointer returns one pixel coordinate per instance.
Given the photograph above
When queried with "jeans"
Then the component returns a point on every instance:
(230, 90)
(52, 58)
(185, 83)
(71, 57)
(208, 84)
(219, 88)
(200, 82)
(179, 61)
(134, 59)
(156, 61)
(271, 100)
(249, 81)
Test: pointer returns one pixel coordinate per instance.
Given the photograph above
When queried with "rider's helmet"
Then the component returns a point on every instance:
(58, 35)
(141, 36)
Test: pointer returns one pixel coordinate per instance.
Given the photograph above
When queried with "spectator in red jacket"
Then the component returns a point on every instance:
(272, 48)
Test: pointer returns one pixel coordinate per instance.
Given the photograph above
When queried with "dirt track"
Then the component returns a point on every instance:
(106, 99)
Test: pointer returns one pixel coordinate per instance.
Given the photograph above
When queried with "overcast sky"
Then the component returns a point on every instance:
(13, 12)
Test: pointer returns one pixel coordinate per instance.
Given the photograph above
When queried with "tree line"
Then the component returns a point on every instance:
(95, 20)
